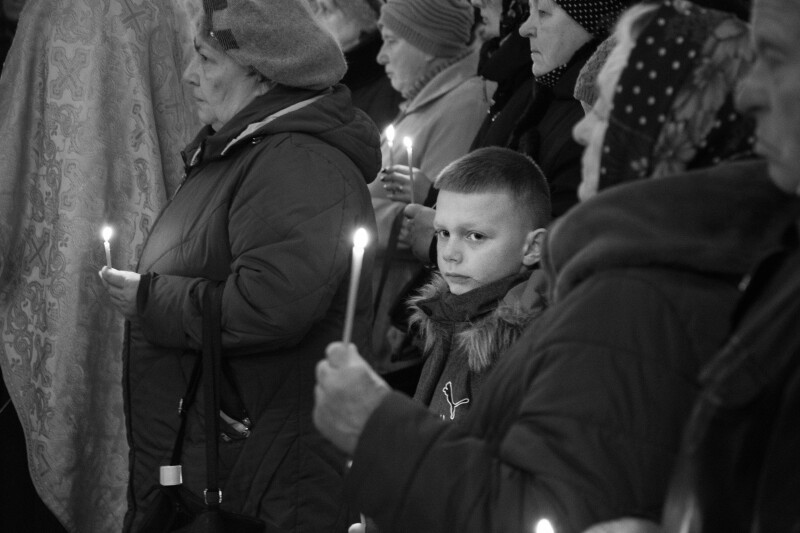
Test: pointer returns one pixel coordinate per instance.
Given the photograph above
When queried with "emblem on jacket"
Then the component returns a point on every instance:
(448, 394)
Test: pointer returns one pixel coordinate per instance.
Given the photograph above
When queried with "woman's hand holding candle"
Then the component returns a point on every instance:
(397, 184)
(122, 286)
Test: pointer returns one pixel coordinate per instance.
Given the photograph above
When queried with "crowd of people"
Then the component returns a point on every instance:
(577, 312)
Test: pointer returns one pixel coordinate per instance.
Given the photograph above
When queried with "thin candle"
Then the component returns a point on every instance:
(408, 142)
(107, 233)
(359, 243)
(390, 141)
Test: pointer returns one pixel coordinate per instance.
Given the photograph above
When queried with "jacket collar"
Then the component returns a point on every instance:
(478, 325)
(210, 144)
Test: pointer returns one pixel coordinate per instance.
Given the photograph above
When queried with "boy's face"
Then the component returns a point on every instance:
(482, 237)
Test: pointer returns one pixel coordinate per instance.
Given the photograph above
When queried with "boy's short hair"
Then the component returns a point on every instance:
(494, 169)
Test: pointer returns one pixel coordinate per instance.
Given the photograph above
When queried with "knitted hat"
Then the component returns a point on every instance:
(595, 16)
(441, 28)
(365, 10)
(586, 89)
(278, 38)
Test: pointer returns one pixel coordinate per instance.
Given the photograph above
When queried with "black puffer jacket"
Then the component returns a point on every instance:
(739, 468)
(268, 209)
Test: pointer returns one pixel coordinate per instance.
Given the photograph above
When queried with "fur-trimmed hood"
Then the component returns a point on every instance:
(482, 323)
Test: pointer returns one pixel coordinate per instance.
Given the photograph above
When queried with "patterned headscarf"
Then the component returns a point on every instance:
(673, 107)
(595, 16)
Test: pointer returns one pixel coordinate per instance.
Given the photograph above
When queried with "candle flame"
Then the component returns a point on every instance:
(390, 133)
(544, 526)
(107, 233)
(360, 238)
(407, 141)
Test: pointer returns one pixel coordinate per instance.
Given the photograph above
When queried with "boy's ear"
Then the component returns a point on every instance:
(532, 251)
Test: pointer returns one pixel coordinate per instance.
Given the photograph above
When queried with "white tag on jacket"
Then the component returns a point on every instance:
(170, 475)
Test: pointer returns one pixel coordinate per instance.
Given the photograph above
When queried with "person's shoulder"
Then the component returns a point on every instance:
(601, 304)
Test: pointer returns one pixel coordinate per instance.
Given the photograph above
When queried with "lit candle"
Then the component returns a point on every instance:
(390, 141)
(359, 243)
(107, 233)
(544, 526)
(407, 141)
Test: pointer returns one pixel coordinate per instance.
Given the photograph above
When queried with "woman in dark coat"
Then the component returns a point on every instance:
(275, 185)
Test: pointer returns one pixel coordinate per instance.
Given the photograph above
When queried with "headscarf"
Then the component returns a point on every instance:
(93, 118)
(595, 16)
(673, 107)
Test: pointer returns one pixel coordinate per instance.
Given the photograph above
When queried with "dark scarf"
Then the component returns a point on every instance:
(477, 324)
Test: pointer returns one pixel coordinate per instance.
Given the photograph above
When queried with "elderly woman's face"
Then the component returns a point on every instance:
(221, 87)
(554, 36)
(403, 62)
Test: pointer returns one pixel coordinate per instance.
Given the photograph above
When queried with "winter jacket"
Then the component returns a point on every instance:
(544, 132)
(464, 335)
(267, 209)
(739, 467)
(580, 420)
(370, 89)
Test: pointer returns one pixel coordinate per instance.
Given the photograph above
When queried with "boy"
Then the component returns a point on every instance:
(491, 211)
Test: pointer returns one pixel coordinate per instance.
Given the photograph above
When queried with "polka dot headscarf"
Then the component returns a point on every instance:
(673, 106)
(595, 16)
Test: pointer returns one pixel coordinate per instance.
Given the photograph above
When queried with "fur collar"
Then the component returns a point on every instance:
(481, 328)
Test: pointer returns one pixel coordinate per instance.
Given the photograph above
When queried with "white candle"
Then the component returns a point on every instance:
(407, 141)
(390, 141)
(544, 526)
(107, 233)
(359, 243)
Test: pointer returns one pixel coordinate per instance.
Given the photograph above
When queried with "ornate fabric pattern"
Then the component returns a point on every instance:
(92, 119)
